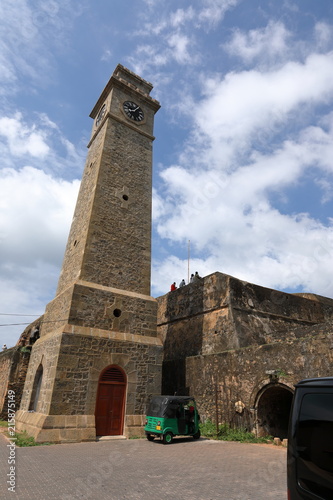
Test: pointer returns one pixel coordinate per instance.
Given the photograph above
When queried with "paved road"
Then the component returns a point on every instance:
(142, 470)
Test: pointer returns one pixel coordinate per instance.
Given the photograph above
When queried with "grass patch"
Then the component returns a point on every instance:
(226, 433)
(21, 439)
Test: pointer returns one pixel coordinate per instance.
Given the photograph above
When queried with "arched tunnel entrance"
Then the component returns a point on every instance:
(273, 409)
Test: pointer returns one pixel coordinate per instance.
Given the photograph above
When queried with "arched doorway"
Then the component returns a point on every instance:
(273, 409)
(36, 389)
(110, 404)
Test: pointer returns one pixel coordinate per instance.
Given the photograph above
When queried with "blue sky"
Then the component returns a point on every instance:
(243, 156)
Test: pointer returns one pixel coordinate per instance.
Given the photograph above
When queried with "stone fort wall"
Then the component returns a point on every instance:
(220, 312)
(225, 339)
(240, 375)
(13, 369)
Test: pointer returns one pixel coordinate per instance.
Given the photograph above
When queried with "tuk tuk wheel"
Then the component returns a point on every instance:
(167, 438)
(197, 435)
(150, 437)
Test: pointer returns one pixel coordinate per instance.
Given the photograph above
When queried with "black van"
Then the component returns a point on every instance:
(310, 441)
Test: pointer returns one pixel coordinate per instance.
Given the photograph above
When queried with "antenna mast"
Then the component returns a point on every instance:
(188, 260)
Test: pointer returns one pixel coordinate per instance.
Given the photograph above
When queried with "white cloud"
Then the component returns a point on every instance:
(31, 33)
(326, 188)
(107, 55)
(180, 48)
(21, 139)
(205, 194)
(176, 33)
(35, 214)
(266, 43)
(158, 206)
(36, 211)
(41, 140)
(174, 269)
(149, 55)
(213, 11)
(220, 194)
(241, 234)
(24, 291)
(245, 109)
(181, 16)
(153, 3)
(7, 71)
(323, 33)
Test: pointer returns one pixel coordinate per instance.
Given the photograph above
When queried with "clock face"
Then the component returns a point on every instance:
(133, 111)
(100, 115)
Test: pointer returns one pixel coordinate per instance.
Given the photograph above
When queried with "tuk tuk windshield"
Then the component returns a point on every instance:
(168, 406)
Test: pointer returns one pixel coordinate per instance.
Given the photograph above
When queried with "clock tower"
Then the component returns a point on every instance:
(98, 359)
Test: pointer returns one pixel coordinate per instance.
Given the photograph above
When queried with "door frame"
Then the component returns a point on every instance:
(124, 384)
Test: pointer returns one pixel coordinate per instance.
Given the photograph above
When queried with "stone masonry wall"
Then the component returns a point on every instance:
(188, 317)
(188, 314)
(110, 238)
(5, 365)
(118, 248)
(76, 240)
(57, 312)
(240, 374)
(81, 361)
(44, 353)
(72, 363)
(69, 385)
(13, 369)
(220, 312)
(262, 315)
(110, 309)
(105, 308)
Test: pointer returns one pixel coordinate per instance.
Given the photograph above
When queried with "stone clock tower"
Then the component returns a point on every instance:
(98, 359)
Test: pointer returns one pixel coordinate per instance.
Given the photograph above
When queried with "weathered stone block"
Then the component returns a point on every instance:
(69, 435)
(88, 434)
(48, 436)
(135, 420)
(71, 421)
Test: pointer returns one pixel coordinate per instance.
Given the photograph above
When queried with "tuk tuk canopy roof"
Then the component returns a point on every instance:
(167, 406)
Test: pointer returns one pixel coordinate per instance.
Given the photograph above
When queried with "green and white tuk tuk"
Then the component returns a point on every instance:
(170, 416)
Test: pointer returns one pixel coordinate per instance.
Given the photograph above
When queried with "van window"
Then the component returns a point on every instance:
(315, 444)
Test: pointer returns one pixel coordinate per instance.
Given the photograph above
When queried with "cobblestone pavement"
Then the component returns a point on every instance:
(143, 470)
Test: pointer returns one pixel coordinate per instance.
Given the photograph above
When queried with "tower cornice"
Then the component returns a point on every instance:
(133, 85)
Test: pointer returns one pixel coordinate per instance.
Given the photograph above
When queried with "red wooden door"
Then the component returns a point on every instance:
(109, 413)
